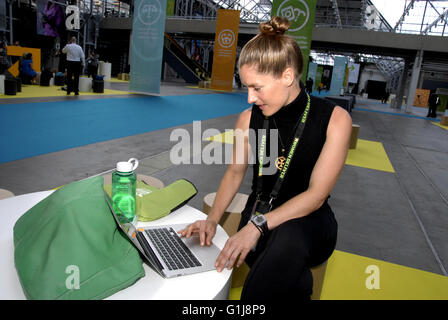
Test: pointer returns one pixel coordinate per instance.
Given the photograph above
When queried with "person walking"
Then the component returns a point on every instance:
(433, 102)
(287, 225)
(75, 62)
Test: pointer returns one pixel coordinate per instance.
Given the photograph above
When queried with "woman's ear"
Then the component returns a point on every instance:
(288, 76)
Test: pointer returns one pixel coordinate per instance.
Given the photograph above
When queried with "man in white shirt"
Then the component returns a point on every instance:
(75, 61)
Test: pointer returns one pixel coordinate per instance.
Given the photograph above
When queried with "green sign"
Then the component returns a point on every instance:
(301, 15)
(170, 4)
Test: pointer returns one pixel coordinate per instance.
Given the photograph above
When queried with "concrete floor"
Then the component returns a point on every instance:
(399, 217)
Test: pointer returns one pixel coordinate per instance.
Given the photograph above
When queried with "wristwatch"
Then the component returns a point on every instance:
(261, 223)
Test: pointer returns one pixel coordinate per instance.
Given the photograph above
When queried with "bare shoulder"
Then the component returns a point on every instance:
(243, 121)
(340, 119)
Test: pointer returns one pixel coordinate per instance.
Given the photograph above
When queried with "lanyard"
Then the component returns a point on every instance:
(292, 149)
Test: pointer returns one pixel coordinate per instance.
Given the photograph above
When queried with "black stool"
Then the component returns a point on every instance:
(10, 87)
(19, 84)
(98, 86)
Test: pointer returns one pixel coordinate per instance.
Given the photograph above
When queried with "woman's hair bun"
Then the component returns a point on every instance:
(277, 25)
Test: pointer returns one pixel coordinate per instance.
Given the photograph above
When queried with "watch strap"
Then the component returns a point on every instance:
(258, 227)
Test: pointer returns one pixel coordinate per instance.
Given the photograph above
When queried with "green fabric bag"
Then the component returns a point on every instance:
(71, 238)
(160, 202)
(152, 203)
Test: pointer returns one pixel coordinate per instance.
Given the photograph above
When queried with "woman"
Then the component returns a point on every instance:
(298, 229)
(27, 68)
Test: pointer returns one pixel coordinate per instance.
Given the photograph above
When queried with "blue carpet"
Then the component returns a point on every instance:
(30, 129)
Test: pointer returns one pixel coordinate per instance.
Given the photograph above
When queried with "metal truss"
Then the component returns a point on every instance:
(428, 17)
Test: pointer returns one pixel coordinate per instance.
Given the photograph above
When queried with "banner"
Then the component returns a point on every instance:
(50, 17)
(312, 72)
(353, 72)
(147, 45)
(301, 15)
(337, 78)
(170, 6)
(319, 72)
(2, 15)
(226, 39)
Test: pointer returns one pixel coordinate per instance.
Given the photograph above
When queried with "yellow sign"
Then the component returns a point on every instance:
(18, 52)
(421, 98)
(226, 39)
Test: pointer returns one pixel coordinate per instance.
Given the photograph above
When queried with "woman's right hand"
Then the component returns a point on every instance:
(205, 228)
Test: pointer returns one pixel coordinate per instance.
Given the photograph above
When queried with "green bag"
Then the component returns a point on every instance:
(152, 203)
(158, 203)
(69, 246)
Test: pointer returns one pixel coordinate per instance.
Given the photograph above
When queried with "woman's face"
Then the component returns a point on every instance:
(269, 93)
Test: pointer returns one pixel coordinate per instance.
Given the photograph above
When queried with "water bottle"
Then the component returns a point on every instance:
(124, 182)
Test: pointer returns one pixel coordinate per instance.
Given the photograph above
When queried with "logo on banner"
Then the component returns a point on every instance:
(297, 12)
(226, 38)
(149, 12)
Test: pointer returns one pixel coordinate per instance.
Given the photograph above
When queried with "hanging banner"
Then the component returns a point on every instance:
(170, 6)
(50, 17)
(2, 15)
(337, 78)
(318, 81)
(226, 39)
(301, 15)
(312, 72)
(147, 45)
(353, 72)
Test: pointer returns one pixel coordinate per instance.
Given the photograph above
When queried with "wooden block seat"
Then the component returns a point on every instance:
(5, 194)
(354, 136)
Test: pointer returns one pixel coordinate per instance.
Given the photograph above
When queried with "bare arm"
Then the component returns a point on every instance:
(235, 172)
(229, 185)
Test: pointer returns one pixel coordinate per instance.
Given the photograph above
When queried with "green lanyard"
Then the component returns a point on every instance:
(292, 149)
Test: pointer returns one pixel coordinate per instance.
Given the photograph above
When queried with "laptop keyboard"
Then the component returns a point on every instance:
(172, 250)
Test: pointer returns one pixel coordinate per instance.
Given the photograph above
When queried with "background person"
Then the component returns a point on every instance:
(300, 230)
(27, 68)
(75, 61)
(433, 103)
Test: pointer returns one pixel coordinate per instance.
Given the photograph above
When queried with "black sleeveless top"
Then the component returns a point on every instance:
(307, 152)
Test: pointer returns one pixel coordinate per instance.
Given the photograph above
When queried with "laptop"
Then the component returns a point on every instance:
(169, 254)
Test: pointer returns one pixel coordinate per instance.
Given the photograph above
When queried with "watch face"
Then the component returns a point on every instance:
(259, 219)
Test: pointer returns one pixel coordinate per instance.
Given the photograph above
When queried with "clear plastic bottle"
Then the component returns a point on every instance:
(124, 182)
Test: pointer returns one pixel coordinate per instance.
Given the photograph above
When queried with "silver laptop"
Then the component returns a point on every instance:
(165, 250)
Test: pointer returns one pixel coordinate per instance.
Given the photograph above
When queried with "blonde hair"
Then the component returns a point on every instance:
(271, 51)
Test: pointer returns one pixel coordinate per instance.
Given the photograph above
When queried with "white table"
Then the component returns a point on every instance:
(203, 286)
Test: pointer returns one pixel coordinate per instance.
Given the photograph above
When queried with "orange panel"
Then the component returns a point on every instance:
(226, 39)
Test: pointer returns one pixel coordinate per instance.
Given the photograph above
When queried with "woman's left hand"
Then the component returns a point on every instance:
(238, 245)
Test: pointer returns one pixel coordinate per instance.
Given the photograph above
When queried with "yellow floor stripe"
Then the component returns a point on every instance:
(354, 277)
(35, 91)
(369, 154)
(226, 137)
(196, 87)
(116, 80)
(439, 125)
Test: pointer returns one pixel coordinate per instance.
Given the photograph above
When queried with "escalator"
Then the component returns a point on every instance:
(188, 69)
